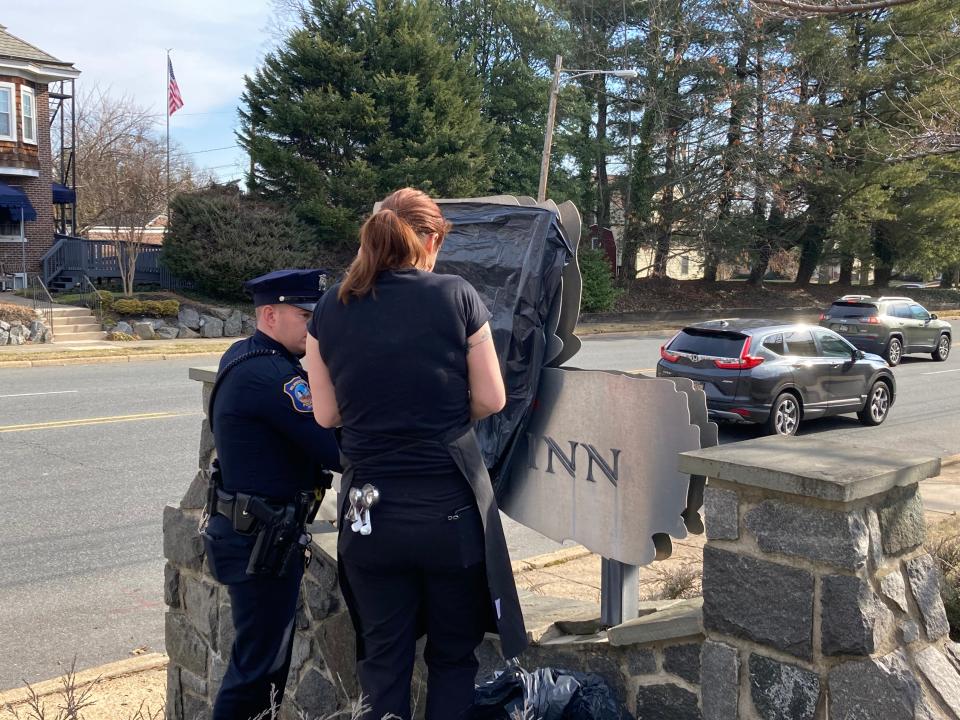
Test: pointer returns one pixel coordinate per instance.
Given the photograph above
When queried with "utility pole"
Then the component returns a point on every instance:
(548, 137)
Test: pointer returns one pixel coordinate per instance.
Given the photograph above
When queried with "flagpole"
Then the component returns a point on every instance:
(166, 94)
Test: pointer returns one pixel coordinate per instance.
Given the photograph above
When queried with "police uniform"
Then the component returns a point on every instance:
(272, 457)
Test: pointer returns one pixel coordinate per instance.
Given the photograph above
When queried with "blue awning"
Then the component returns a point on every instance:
(62, 195)
(14, 200)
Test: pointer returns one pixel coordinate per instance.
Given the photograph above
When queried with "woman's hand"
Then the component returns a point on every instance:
(487, 393)
(325, 409)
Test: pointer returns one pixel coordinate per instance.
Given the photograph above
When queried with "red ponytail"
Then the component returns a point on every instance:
(390, 239)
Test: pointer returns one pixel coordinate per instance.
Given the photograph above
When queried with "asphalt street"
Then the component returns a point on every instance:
(90, 454)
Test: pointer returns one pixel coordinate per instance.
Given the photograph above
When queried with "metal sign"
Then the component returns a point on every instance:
(598, 462)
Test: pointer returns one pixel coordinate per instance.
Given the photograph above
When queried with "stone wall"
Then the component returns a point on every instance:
(818, 602)
(653, 662)
(818, 598)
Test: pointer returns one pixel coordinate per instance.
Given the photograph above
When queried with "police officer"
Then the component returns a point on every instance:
(274, 464)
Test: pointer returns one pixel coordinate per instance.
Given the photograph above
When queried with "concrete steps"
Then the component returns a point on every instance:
(75, 323)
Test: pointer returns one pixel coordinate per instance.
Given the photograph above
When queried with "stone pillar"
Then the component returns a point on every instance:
(819, 600)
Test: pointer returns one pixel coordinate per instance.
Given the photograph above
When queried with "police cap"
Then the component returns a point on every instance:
(302, 288)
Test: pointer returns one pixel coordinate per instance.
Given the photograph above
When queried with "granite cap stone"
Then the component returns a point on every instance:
(814, 467)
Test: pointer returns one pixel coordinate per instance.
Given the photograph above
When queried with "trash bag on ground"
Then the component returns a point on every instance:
(546, 694)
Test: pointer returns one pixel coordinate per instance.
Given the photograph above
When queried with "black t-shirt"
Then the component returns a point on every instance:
(398, 361)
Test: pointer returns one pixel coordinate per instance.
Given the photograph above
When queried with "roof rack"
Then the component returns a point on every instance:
(886, 298)
(854, 297)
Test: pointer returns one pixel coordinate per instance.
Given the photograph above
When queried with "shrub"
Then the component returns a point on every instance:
(12, 313)
(153, 308)
(118, 336)
(169, 308)
(106, 297)
(219, 238)
(128, 306)
(599, 293)
(944, 544)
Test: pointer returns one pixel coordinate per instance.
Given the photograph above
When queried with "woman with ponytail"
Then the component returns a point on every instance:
(403, 359)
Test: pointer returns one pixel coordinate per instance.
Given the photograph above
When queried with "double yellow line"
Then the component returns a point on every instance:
(53, 424)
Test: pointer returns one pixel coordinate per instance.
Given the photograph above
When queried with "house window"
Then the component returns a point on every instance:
(684, 266)
(8, 125)
(28, 105)
(9, 225)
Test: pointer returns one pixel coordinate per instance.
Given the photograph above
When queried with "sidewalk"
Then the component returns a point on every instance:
(571, 572)
(101, 351)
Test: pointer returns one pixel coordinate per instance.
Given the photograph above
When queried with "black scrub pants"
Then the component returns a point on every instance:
(411, 575)
(264, 610)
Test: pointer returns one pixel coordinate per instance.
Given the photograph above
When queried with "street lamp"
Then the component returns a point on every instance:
(552, 110)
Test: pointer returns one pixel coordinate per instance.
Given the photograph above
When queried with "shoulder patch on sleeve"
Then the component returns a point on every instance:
(298, 391)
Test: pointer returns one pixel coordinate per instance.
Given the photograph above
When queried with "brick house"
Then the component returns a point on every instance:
(26, 165)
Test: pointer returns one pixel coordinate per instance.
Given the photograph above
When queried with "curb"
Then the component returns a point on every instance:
(557, 557)
(948, 460)
(103, 359)
(110, 671)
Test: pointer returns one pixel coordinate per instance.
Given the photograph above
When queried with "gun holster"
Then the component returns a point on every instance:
(282, 540)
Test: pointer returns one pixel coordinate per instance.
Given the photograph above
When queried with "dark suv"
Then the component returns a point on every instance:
(760, 372)
(889, 326)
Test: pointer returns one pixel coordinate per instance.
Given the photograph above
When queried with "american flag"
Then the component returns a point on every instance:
(174, 101)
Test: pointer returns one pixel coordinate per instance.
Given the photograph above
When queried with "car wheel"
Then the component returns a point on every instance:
(784, 415)
(878, 404)
(943, 349)
(894, 352)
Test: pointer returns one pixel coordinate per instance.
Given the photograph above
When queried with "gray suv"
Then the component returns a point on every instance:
(889, 326)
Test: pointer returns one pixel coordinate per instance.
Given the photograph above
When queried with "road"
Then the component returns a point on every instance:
(90, 454)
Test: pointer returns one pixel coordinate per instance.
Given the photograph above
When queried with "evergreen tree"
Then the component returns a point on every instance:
(362, 99)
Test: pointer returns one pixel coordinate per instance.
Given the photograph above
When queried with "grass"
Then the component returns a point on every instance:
(943, 544)
(154, 347)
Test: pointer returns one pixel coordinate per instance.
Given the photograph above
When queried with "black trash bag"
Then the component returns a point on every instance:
(546, 694)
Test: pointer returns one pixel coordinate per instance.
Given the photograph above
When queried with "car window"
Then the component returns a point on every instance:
(852, 309)
(833, 346)
(774, 343)
(918, 313)
(800, 342)
(900, 310)
(708, 342)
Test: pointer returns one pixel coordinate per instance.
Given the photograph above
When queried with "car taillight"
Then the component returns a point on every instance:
(823, 316)
(746, 361)
(668, 356)
(871, 320)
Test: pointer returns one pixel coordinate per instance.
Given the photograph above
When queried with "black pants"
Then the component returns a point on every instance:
(411, 575)
(264, 610)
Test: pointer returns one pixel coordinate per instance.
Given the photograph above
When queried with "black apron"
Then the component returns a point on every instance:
(505, 617)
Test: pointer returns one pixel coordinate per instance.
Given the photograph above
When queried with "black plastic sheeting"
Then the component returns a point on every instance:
(546, 694)
(514, 256)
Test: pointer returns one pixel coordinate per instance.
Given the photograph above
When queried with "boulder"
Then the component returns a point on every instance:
(221, 313)
(47, 336)
(185, 332)
(211, 327)
(168, 333)
(144, 330)
(4, 337)
(36, 330)
(248, 324)
(123, 327)
(5, 326)
(157, 324)
(18, 334)
(233, 325)
(189, 317)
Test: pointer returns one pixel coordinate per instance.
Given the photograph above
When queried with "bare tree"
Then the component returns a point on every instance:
(121, 174)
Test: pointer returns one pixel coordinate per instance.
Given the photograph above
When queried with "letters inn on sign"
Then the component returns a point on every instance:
(598, 462)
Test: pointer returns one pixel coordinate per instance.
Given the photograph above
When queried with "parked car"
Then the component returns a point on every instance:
(779, 375)
(889, 326)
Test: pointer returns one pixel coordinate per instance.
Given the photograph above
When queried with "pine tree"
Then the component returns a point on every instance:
(364, 98)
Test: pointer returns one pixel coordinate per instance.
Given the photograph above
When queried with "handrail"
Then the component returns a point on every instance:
(41, 304)
(97, 300)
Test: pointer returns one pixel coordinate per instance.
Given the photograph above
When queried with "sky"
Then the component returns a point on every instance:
(120, 46)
